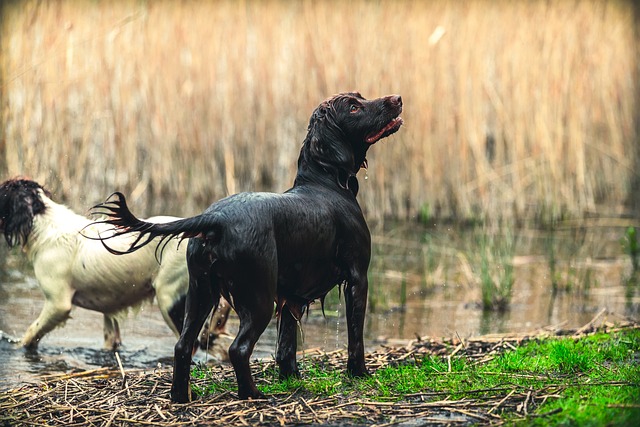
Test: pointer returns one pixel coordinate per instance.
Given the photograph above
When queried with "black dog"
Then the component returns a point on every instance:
(291, 248)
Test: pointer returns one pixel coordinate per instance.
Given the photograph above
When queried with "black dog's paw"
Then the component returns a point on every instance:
(357, 370)
(289, 373)
(180, 396)
(248, 390)
(254, 395)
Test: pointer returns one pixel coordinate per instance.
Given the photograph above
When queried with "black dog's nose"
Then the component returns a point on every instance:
(395, 100)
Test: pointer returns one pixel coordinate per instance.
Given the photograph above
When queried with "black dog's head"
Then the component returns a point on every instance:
(342, 129)
(20, 202)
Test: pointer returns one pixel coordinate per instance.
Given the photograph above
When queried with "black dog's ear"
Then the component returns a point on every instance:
(353, 185)
(315, 146)
(327, 145)
(315, 140)
(318, 116)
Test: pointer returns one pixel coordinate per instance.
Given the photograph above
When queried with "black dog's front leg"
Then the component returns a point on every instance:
(355, 296)
(180, 392)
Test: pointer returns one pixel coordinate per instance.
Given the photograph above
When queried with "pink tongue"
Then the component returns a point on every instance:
(373, 138)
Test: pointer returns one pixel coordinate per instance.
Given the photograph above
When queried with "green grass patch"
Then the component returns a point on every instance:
(592, 380)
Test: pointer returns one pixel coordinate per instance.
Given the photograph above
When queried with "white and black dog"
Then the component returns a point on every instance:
(74, 270)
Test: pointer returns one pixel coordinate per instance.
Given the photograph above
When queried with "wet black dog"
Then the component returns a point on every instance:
(291, 248)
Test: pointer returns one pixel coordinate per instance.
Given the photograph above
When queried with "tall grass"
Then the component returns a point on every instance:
(512, 109)
(496, 269)
(631, 246)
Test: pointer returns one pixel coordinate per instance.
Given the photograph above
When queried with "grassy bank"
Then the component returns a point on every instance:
(556, 377)
(512, 109)
(592, 380)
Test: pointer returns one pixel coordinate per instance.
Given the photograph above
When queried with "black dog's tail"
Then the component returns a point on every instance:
(124, 222)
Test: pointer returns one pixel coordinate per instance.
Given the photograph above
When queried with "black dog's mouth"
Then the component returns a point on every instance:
(390, 128)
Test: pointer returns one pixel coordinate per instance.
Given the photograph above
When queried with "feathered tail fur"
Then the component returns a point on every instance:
(124, 222)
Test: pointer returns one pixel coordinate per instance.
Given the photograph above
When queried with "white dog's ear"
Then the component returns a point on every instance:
(22, 201)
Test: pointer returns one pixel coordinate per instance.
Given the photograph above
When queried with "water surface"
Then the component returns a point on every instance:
(424, 282)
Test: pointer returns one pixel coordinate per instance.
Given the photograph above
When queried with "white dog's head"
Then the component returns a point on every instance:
(20, 202)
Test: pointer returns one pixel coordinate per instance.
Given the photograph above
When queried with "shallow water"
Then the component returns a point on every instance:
(423, 282)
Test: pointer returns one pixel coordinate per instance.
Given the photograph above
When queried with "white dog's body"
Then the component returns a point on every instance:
(74, 270)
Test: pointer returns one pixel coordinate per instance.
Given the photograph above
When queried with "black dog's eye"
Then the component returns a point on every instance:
(354, 108)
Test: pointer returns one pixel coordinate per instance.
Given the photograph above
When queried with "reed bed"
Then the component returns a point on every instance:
(512, 109)
(114, 397)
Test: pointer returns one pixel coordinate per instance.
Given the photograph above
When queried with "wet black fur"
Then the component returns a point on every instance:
(291, 248)
(20, 202)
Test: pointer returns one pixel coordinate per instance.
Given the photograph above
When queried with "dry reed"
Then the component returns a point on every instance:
(512, 109)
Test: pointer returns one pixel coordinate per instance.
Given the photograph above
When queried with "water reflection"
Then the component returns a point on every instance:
(492, 321)
(424, 282)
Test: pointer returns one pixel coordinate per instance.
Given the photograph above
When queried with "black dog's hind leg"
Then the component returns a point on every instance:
(287, 345)
(252, 325)
(355, 296)
(176, 316)
(203, 295)
(255, 289)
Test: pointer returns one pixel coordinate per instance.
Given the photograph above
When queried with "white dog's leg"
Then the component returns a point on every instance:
(170, 286)
(166, 304)
(111, 329)
(53, 313)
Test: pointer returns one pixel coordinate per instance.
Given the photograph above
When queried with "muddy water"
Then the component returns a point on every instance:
(423, 282)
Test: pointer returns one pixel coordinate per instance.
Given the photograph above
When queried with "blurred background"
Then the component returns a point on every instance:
(509, 199)
(523, 110)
